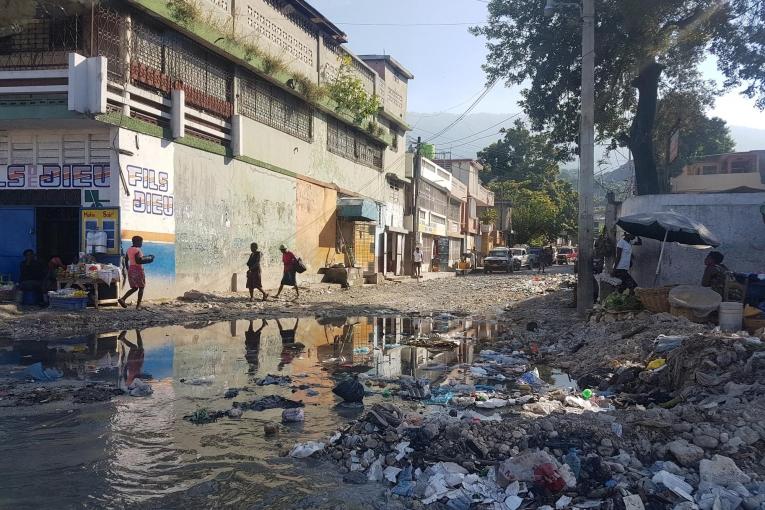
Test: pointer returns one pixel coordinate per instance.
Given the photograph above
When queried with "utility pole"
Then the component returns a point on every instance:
(586, 161)
(416, 171)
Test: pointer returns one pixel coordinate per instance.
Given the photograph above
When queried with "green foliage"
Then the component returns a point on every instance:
(622, 302)
(347, 90)
(272, 64)
(523, 167)
(308, 89)
(538, 216)
(522, 156)
(184, 12)
(699, 134)
(374, 128)
(544, 54)
(488, 216)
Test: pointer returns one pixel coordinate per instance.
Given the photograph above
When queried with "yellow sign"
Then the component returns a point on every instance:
(106, 220)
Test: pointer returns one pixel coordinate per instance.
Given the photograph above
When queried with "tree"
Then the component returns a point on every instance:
(537, 217)
(698, 135)
(523, 156)
(644, 48)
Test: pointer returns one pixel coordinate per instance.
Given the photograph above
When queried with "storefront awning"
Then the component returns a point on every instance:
(357, 209)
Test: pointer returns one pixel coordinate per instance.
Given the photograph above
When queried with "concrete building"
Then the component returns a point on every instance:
(479, 199)
(737, 171)
(202, 135)
(442, 198)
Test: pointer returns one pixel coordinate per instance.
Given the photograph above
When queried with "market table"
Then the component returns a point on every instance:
(83, 281)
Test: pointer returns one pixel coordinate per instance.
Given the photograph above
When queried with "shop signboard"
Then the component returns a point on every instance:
(106, 220)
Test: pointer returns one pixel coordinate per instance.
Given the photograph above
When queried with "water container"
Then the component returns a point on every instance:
(731, 315)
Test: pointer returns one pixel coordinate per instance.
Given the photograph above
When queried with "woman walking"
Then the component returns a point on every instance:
(253, 272)
(290, 273)
(136, 276)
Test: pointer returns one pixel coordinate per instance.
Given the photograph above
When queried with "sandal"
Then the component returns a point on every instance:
(122, 303)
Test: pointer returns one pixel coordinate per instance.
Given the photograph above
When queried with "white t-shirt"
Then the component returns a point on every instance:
(624, 261)
(418, 256)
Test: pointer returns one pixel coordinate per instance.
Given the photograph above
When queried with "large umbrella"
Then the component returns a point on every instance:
(667, 226)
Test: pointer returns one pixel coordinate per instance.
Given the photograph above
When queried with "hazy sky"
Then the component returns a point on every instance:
(446, 60)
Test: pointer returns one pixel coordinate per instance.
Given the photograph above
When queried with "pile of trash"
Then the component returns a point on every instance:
(681, 429)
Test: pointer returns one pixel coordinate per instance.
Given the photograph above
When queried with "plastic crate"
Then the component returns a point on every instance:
(72, 303)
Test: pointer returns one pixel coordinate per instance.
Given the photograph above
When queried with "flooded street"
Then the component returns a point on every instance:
(142, 452)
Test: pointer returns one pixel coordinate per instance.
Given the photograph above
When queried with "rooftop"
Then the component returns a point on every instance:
(393, 63)
(315, 16)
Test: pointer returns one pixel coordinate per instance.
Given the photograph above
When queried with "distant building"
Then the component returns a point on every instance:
(442, 198)
(733, 172)
(479, 199)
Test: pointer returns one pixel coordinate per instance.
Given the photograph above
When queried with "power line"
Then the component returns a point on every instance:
(469, 109)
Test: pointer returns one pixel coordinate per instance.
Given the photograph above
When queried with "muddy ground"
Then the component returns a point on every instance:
(475, 295)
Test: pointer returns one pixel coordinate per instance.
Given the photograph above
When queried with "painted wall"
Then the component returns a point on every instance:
(311, 159)
(148, 204)
(316, 234)
(223, 205)
(733, 217)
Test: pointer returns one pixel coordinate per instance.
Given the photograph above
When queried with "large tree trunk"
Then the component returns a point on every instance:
(641, 134)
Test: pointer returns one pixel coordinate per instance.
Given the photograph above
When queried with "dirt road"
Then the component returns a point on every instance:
(476, 295)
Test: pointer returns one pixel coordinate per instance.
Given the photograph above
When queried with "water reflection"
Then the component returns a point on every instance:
(140, 451)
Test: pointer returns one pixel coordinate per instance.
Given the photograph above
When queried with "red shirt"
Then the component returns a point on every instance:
(288, 259)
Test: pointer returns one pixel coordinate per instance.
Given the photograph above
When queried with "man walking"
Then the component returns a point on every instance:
(418, 257)
(624, 261)
(290, 271)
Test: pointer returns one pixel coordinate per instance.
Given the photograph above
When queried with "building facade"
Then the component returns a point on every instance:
(737, 171)
(129, 119)
(441, 203)
(479, 198)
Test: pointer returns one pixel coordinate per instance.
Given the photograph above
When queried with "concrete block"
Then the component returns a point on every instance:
(178, 113)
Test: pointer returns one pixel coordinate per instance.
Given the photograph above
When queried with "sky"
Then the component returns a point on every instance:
(431, 39)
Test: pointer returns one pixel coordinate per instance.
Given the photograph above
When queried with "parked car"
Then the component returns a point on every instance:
(566, 255)
(498, 259)
(521, 257)
(537, 253)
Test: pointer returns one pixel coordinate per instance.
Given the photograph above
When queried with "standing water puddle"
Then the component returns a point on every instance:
(140, 451)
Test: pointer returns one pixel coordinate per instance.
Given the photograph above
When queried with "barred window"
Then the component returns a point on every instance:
(272, 106)
(351, 144)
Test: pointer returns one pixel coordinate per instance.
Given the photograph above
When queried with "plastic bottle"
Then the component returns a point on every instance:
(573, 461)
(587, 394)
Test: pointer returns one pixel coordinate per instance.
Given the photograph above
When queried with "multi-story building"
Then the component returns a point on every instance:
(479, 199)
(737, 171)
(441, 202)
(201, 131)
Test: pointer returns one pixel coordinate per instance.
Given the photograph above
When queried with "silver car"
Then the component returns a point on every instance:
(498, 259)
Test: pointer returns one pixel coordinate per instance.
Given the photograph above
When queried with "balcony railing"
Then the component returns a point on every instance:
(41, 43)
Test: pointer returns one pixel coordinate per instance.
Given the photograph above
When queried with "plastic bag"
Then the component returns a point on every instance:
(303, 450)
(349, 390)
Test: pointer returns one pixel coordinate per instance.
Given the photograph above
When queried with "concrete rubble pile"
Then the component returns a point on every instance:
(683, 429)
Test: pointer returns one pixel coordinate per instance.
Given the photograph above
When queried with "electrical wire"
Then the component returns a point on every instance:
(469, 109)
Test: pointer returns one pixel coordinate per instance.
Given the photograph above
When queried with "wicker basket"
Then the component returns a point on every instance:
(654, 300)
(752, 324)
(688, 313)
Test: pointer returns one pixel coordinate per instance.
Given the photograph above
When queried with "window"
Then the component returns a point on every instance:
(351, 144)
(437, 220)
(270, 105)
(709, 170)
(394, 143)
(741, 166)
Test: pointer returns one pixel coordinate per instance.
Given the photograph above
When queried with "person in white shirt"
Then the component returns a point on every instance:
(417, 262)
(624, 261)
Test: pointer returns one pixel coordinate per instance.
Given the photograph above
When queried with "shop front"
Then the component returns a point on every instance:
(358, 225)
(58, 198)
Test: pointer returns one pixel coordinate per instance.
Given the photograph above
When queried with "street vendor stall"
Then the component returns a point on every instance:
(86, 278)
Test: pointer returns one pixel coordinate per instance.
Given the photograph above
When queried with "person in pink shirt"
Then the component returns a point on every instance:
(290, 273)
(136, 276)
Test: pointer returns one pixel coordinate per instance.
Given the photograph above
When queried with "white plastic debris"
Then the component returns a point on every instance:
(562, 502)
(403, 449)
(391, 473)
(375, 473)
(138, 388)
(674, 483)
(303, 450)
(493, 403)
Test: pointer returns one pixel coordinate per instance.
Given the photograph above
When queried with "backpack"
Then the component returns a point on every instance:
(300, 266)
